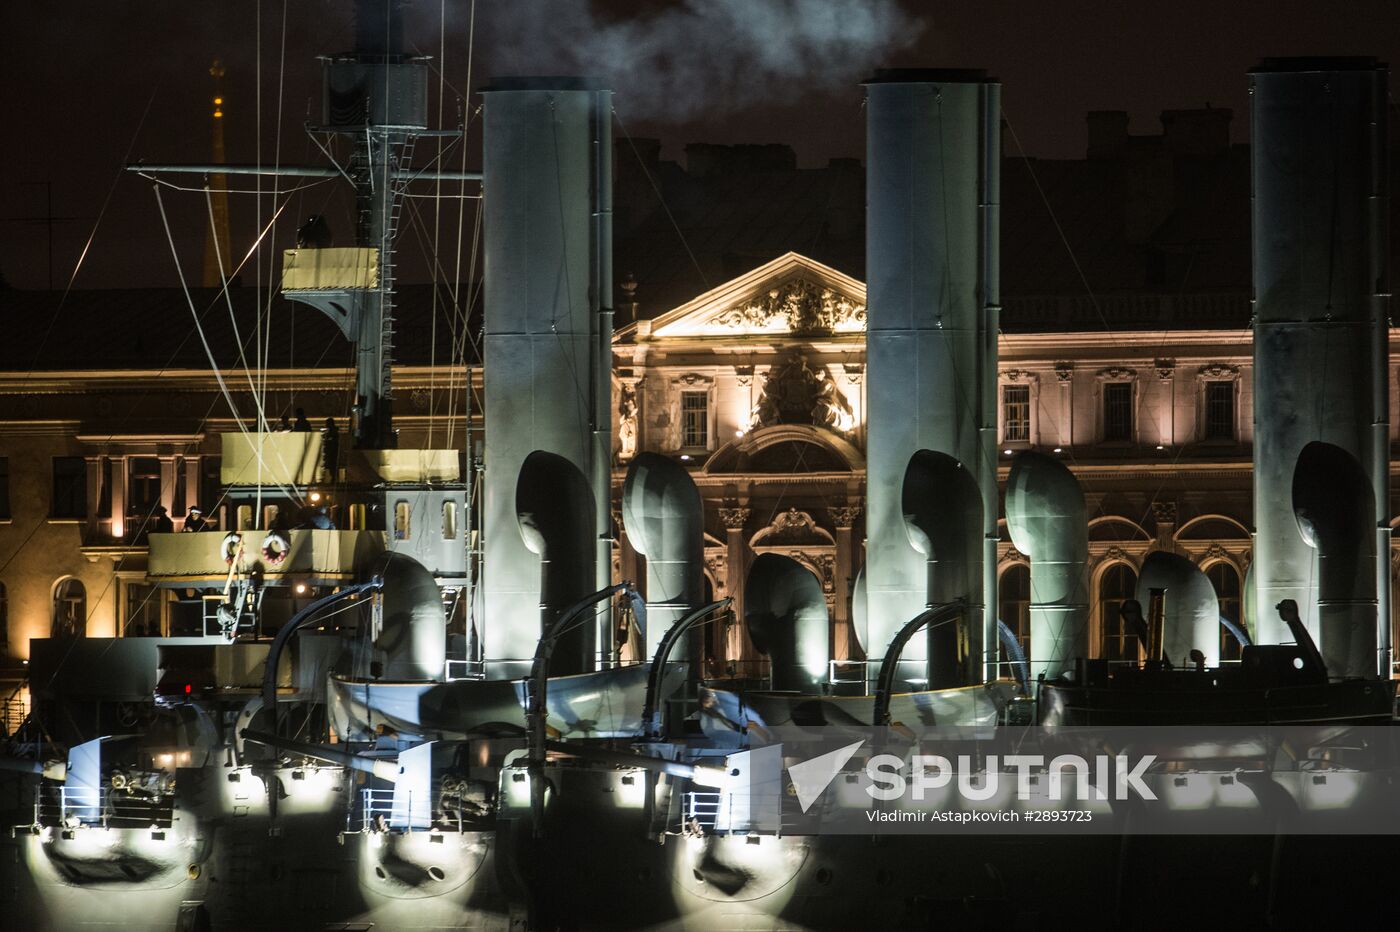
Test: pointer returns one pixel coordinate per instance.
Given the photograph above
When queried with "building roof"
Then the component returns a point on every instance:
(153, 328)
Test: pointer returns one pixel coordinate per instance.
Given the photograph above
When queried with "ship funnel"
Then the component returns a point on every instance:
(662, 513)
(933, 162)
(943, 520)
(1046, 517)
(554, 511)
(785, 611)
(1191, 620)
(413, 634)
(547, 219)
(1319, 156)
(1334, 506)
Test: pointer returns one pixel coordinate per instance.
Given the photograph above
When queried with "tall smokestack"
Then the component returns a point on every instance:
(548, 225)
(933, 187)
(1321, 278)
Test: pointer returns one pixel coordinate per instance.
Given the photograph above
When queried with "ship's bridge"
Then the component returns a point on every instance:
(333, 513)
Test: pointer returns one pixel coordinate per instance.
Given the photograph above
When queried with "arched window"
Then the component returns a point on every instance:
(449, 520)
(403, 529)
(69, 609)
(1117, 585)
(1226, 581)
(1014, 601)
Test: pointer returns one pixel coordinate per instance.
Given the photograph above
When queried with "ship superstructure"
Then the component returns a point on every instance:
(314, 755)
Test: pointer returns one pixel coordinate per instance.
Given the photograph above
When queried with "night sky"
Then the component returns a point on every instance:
(79, 77)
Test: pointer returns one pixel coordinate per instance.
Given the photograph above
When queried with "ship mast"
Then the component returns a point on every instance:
(216, 242)
(375, 98)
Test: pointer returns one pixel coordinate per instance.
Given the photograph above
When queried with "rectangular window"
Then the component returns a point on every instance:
(4, 493)
(1016, 413)
(1220, 410)
(1118, 412)
(69, 487)
(695, 419)
(449, 520)
(142, 611)
(142, 485)
(403, 513)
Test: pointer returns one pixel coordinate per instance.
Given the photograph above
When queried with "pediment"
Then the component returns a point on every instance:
(789, 295)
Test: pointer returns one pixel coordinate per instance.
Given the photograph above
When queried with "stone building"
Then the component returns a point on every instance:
(1126, 350)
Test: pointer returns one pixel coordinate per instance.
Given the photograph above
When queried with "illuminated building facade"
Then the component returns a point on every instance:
(1126, 350)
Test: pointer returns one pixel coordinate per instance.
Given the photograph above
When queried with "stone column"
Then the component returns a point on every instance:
(119, 467)
(1164, 514)
(1064, 377)
(844, 643)
(734, 519)
(167, 484)
(192, 485)
(93, 466)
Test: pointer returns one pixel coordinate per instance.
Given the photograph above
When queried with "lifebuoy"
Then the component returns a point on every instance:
(232, 546)
(275, 548)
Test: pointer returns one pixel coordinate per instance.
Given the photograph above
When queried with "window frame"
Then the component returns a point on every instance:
(1208, 431)
(1024, 437)
(76, 500)
(700, 415)
(1101, 616)
(1114, 386)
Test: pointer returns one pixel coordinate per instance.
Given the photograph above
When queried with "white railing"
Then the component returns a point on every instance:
(700, 812)
(846, 672)
(464, 670)
(375, 805)
(87, 805)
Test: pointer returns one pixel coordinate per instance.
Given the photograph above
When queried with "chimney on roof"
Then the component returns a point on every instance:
(1108, 133)
(1197, 132)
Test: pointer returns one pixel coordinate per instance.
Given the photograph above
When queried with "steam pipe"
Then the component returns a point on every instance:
(663, 515)
(600, 407)
(651, 721)
(1320, 209)
(554, 509)
(989, 288)
(785, 611)
(943, 521)
(537, 698)
(884, 689)
(384, 769)
(1013, 650)
(1237, 631)
(298, 621)
(1334, 507)
(1045, 515)
(1192, 620)
(1288, 614)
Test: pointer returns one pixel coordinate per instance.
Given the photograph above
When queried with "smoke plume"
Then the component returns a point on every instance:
(701, 56)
